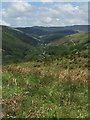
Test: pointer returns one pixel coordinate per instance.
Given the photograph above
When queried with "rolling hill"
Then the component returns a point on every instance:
(55, 36)
(17, 45)
(40, 30)
(72, 43)
(20, 35)
(81, 37)
(49, 34)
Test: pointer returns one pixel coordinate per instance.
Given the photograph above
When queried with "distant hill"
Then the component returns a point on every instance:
(55, 36)
(34, 31)
(49, 34)
(40, 30)
(18, 45)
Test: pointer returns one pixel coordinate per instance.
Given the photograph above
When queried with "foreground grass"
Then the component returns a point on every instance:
(36, 90)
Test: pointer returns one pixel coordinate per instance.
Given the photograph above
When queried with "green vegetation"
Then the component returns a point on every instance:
(35, 89)
(17, 46)
(43, 80)
(69, 44)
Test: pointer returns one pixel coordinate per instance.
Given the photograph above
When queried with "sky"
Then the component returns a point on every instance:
(43, 13)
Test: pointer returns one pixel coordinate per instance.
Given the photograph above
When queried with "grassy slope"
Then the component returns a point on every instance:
(55, 87)
(20, 35)
(16, 45)
(35, 89)
(77, 38)
(69, 44)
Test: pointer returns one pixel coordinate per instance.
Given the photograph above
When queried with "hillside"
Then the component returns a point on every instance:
(53, 87)
(34, 31)
(78, 37)
(20, 35)
(72, 43)
(17, 45)
(50, 34)
(45, 76)
(55, 36)
(40, 30)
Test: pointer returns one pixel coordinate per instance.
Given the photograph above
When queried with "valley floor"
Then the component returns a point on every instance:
(39, 89)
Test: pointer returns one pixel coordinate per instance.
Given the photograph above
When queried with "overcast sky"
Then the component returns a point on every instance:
(25, 14)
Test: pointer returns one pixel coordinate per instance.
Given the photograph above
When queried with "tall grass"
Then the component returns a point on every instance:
(38, 90)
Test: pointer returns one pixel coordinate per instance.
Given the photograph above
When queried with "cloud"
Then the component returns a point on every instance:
(64, 0)
(4, 23)
(46, 1)
(21, 0)
(47, 14)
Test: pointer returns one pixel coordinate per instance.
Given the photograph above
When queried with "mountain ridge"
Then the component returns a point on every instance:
(54, 29)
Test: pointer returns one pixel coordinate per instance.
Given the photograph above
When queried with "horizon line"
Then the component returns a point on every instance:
(43, 26)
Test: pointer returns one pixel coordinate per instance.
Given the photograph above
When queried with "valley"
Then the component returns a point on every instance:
(45, 72)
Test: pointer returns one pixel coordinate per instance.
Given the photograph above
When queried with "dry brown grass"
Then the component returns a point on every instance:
(78, 74)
